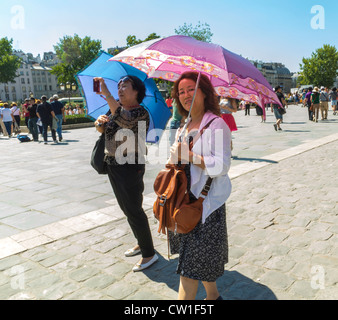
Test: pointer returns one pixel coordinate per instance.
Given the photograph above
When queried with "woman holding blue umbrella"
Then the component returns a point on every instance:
(125, 157)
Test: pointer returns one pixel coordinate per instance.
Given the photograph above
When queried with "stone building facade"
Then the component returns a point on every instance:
(34, 78)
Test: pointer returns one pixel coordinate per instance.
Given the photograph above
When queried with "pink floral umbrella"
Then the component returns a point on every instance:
(232, 75)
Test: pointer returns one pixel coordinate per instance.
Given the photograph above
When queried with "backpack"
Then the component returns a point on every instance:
(172, 207)
(23, 138)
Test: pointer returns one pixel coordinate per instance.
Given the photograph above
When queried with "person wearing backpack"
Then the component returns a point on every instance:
(333, 97)
(203, 252)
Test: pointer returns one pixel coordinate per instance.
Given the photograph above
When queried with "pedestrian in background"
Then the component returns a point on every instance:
(16, 114)
(260, 113)
(275, 108)
(324, 103)
(59, 111)
(228, 107)
(307, 103)
(315, 103)
(333, 97)
(175, 123)
(2, 126)
(25, 112)
(33, 119)
(247, 108)
(46, 114)
(7, 118)
(169, 102)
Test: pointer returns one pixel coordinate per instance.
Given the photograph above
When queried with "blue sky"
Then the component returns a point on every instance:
(278, 31)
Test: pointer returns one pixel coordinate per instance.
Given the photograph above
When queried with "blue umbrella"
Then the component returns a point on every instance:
(112, 72)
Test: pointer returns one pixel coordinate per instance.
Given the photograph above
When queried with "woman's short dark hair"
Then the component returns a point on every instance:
(139, 86)
(211, 101)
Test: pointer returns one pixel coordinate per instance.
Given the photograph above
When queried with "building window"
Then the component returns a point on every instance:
(13, 89)
(22, 81)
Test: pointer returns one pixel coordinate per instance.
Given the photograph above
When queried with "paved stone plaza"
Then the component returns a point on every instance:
(62, 234)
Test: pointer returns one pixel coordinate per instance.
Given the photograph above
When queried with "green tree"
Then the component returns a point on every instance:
(9, 63)
(200, 32)
(132, 41)
(75, 54)
(321, 68)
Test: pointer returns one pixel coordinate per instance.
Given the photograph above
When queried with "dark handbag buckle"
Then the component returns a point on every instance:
(163, 200)
(206, 188)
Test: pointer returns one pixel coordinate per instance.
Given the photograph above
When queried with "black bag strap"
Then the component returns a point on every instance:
(199, 135)
(207, 186)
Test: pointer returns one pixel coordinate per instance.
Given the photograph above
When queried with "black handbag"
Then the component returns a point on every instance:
(281, 110)
(97, 159)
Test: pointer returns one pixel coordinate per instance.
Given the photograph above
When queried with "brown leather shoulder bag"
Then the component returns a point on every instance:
(172, 207)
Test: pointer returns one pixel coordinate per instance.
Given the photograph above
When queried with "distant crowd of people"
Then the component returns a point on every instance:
(39, 115)
(318, 100)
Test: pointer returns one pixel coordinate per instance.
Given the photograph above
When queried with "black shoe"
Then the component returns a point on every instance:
(220, 298)
(275, 126)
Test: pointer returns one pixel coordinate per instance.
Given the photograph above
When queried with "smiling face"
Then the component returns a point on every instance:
(127, 94)
(186, 89)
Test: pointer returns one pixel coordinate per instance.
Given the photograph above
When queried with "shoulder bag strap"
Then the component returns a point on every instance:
(199, 135)
(207, 186)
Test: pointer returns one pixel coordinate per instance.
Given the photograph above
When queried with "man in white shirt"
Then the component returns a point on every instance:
(7, 118)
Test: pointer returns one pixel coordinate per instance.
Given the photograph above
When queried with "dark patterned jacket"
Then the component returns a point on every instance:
(126, 136)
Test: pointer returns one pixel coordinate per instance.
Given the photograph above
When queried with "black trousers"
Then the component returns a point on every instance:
(310, 113)
(127, 183)
(45, 125)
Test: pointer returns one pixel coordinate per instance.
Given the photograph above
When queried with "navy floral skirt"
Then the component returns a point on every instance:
(203, 252)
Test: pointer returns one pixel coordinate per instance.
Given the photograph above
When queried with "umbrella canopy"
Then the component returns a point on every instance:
(232, 75)
(112, 72)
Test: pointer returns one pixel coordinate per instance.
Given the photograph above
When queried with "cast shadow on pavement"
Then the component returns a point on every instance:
(253, 159)
(64, 143)
(294, 122)
(296, 130)
(232, 285)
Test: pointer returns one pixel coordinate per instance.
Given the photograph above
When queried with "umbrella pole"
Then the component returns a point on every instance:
(192, 103)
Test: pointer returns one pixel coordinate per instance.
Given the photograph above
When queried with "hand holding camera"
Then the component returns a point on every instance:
(99, 86)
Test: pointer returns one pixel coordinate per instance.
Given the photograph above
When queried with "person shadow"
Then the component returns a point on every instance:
(232, 285)
(253, 159)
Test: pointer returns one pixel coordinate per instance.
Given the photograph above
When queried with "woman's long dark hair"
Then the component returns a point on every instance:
(210, 102)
